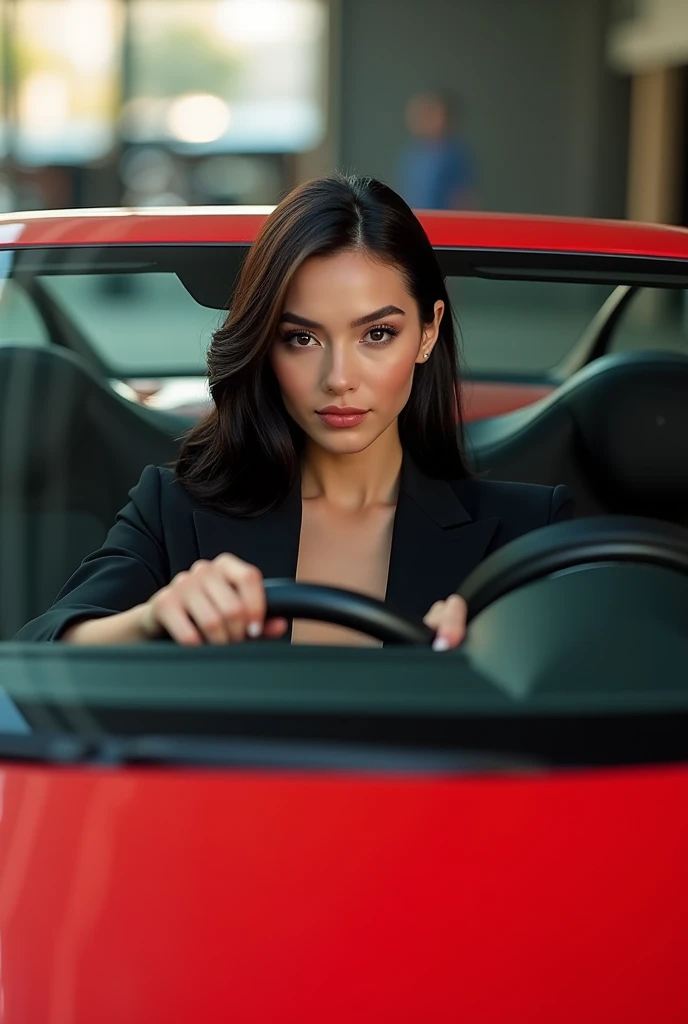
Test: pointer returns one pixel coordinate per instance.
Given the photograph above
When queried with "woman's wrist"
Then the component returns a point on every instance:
(130, 627)
(143, 622)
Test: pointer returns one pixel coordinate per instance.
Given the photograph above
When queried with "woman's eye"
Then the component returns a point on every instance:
(300, 339)
(380, 335)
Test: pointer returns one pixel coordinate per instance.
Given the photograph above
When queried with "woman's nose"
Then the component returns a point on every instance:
(340, 370)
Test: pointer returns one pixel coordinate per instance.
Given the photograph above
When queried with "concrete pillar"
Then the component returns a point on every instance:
(656, 146)
(655, 167)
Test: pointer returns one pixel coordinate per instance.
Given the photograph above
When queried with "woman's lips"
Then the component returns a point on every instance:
(342, 417)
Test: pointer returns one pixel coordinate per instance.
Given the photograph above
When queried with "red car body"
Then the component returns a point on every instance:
(140, 896)
(145, 895)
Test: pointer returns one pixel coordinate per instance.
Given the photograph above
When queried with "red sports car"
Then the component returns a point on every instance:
(264, 834)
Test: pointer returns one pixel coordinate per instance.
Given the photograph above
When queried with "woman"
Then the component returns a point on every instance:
(332, 453)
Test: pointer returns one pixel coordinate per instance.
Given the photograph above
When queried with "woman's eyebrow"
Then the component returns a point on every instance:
(294, 318)
(377, 315)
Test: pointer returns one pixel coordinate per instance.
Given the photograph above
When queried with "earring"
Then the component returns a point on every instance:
(426, 355)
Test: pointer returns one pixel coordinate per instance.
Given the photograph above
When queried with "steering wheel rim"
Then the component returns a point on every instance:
(570, 545)
(291, 600)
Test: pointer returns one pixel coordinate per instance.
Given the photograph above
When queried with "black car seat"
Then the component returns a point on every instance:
(616, 432)
(70, 450)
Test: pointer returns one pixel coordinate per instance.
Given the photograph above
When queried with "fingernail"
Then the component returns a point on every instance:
(440, 643)
(254, 629)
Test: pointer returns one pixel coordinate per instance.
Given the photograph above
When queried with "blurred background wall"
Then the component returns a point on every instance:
(547, 118)
(563, 106)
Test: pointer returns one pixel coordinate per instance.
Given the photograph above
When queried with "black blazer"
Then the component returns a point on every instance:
(442, 530)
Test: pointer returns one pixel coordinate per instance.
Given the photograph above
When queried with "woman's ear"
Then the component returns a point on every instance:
(430, 333)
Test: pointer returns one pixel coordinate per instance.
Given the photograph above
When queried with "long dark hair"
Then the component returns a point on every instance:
(244, 456)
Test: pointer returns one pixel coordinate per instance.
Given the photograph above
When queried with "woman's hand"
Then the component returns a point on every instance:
(448, 619)
(218, 602)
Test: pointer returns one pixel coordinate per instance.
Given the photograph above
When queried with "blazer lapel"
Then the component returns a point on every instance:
(435, 542)
(270, 541)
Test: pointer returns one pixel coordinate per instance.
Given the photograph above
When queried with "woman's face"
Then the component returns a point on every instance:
(349, 338)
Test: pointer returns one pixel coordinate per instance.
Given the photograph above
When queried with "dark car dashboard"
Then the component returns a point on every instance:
(586, 666)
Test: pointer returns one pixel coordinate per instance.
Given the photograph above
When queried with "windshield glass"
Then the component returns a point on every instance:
(130, 328)
(113, 311)
(150, 311)
(146, 311)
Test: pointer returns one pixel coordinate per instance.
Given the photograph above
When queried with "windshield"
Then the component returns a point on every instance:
(150, 311)
(134, 324)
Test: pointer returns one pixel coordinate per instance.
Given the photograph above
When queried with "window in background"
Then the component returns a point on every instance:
(227, 76)
(67, 55)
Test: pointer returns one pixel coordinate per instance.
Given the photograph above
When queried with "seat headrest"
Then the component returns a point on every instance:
(51, 407)
(631, 414)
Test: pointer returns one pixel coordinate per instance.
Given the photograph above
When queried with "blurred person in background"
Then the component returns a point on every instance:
(436, 169)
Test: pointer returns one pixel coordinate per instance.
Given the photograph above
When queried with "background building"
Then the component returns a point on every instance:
(575, 107)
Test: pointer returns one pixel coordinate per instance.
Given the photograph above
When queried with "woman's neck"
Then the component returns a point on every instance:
(353, 482)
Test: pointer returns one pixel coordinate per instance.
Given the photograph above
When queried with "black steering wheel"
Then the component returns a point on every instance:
(290, 600)
(574, 544)
(557, 548)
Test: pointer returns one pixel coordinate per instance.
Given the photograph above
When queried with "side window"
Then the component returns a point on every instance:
(20, 323)
(655, 319)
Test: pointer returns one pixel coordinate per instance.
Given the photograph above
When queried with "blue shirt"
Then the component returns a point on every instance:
(434, 173)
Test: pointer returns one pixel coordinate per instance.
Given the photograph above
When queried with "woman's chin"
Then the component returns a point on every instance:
(343, 442)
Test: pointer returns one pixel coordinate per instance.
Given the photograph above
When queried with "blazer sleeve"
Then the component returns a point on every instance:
(562, 505)
(127, 570)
